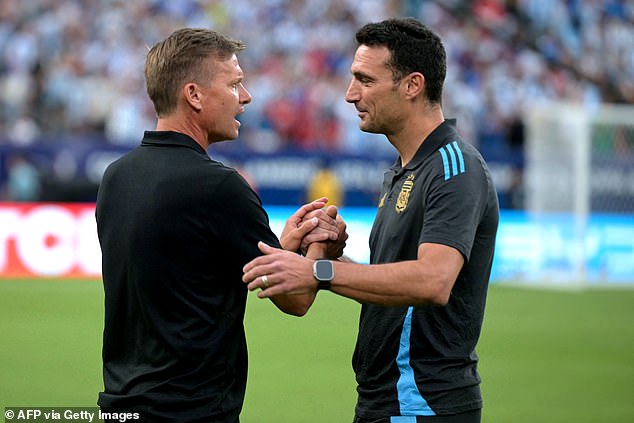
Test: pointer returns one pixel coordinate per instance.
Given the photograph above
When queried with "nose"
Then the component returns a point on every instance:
(352, 94)
(245, 96)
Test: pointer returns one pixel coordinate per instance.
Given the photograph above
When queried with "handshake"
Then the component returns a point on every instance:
(313, 232)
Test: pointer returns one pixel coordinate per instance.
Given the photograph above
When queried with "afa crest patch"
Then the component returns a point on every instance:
(403, 196)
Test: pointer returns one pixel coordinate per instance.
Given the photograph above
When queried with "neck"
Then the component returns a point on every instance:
(415, 132)
(183, 126)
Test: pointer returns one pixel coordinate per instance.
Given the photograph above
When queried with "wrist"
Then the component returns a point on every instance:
(316, 250)
(324, 273)
(289, 244)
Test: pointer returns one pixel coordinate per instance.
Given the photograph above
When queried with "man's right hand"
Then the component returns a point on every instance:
(309, 224)
(330, 248)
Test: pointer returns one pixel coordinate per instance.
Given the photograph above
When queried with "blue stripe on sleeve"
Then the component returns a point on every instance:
(411, 402)
(454, 165)
(460, 157)
(403, 419)
(445, 163)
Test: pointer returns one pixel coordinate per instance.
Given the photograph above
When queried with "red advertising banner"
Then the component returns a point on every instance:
(49, 240)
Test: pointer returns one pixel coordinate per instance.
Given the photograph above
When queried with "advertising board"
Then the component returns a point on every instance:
(59, 240)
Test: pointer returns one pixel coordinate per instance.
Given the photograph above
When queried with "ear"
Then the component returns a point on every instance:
(193, 96)
(414, 85)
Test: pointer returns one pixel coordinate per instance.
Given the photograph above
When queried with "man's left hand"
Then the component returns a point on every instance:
(285, 271)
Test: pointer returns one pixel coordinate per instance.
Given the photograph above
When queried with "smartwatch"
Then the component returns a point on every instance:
(324, 272)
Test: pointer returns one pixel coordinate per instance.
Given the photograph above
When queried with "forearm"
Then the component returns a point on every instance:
(295, 305)
(393, 284)
(345, 259)
(427, 280)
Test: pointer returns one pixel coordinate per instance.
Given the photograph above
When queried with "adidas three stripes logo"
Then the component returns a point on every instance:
(452, 160)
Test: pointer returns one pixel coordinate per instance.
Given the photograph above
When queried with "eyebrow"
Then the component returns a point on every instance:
(362, 75)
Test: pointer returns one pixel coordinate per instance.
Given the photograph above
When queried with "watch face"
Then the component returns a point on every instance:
(323, 270)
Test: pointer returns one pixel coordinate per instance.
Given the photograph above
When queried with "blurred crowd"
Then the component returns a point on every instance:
(75, 67)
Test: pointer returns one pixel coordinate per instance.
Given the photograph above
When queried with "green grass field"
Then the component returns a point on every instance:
(546, 356)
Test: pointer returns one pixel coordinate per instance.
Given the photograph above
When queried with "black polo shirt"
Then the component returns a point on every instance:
(175, 229)
(421, 360)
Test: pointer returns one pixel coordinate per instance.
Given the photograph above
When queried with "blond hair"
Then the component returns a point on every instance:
(179, 59)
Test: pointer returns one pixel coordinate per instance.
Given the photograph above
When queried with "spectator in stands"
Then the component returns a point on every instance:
(67, 67)
(23, 179)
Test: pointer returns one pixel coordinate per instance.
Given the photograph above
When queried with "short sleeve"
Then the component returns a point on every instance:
(454, 207)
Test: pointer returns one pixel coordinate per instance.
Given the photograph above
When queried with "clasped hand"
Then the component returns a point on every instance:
(314, 230)
(313, 223)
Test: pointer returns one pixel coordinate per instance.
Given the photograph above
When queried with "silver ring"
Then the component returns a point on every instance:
(265, 281)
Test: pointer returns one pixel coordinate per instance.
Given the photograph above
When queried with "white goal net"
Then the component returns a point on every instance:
(579, 191)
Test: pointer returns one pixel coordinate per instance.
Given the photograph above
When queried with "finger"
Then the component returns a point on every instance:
(320, 203)
(270, 292)
(253, 278)
(329, 212)
(314, 213)
(257, 284)
(320, 200)
(325, 222)
(258, 261)
(317, 237)
(320, 234)
(306, 227)
(264, 281)
(341, 225)
(332, 211)
(306, 208)
(328, 227)
(322, 214)
(266, 248)
(328, 223)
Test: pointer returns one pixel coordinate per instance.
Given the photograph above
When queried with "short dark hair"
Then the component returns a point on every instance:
(413, 48)
(179, 59)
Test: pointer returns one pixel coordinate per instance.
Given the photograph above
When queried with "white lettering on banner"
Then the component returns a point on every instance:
(45, 241)
(283, 172)
(49, 240)
(295, 173)
(88, 251)
(361, 175)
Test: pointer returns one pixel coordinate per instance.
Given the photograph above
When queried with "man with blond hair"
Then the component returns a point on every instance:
(176, 228)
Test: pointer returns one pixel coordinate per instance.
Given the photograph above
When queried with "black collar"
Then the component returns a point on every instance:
(172, 138)
(433, 142)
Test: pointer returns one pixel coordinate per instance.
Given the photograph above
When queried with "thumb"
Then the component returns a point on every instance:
(266, 248)
(332, 211)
